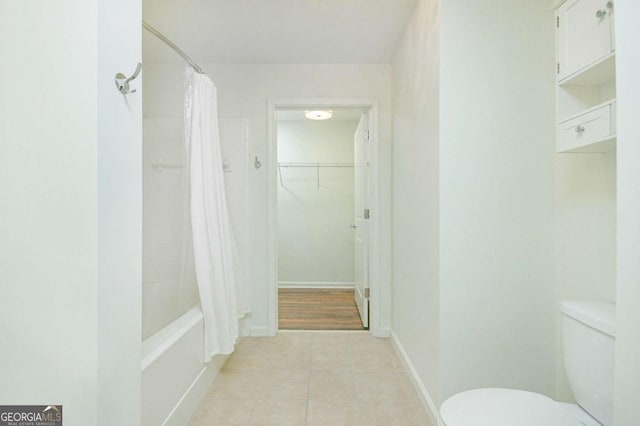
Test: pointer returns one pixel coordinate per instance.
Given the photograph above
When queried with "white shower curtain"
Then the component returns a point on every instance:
(218, 273)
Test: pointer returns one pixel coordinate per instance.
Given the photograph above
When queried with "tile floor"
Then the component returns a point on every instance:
(313, 378)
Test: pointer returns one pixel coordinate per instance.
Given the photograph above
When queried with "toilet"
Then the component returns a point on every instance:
(588, 337)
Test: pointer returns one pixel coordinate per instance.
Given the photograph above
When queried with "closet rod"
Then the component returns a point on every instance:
(172, 45)
(315, 165)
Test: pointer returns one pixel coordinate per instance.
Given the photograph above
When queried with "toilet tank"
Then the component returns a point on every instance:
(588, 338)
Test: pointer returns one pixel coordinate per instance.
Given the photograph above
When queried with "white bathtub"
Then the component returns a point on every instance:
(174, 375)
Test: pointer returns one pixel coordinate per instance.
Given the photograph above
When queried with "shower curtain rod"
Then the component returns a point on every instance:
(169, 43)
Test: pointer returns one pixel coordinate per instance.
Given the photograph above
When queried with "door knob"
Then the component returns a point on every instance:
(579, 129)
(352, 226)
(601, 13)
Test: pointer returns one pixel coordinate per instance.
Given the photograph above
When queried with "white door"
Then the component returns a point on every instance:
(361, 213)
(584, 34)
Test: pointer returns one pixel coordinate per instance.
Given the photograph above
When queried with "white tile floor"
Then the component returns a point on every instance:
(313, 378)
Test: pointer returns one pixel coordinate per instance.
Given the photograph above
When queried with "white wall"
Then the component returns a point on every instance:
(119, 214)
(416, 80)
(627, 384)
(70, 230)
(48, 207)
(315, 242)
(243, 91)
(585, 235)
(473, 196)
(497, 293)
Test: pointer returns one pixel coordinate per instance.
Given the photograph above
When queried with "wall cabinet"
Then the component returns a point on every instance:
(585, 71)
(585, 34)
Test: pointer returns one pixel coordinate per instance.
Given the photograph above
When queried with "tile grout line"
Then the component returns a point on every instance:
(306, 414)
(255, 401)
(355, 383)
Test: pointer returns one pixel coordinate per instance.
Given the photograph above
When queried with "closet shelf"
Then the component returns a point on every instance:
(314, 165)
(310, 165)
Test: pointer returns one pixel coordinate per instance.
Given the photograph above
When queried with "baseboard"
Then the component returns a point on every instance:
(425, 398)
(380, 332)
(315, 284)
(260, 332)
(190, 401)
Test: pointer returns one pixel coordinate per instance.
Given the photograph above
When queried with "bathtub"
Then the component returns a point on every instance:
(174, 375)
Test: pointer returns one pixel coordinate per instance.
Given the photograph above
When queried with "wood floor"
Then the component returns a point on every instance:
(317, 309)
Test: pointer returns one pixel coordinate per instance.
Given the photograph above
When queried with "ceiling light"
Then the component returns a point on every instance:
(318, 115)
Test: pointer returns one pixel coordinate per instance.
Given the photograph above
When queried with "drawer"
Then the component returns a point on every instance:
(590, 127)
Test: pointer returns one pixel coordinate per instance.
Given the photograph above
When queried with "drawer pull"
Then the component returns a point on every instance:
(601, 13)
(579, 129)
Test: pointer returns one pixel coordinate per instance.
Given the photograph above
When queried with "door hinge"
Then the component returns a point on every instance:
(367, 135)
(558, 67)
(367, 213)
(557, 22)
(366, 293)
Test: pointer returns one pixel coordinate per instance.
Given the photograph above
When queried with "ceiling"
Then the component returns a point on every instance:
(277, 31)
(343, 114)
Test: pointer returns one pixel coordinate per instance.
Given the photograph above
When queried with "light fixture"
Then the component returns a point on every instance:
(318, 115)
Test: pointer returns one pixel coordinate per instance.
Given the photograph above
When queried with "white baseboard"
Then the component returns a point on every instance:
(425, 398)
(314, 284)
(260, 332)
(380, 332)
(190, 401)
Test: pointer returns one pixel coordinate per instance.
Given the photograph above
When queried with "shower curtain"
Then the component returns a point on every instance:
(218, 273)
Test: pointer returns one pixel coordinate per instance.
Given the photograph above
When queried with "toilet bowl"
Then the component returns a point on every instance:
(510, 407)
(588, 330)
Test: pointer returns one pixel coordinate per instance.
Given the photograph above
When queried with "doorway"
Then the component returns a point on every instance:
(322, 176)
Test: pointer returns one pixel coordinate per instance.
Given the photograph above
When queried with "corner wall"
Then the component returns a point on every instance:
(497, 292)
(119, 220)
(473, 215)
(416, 206)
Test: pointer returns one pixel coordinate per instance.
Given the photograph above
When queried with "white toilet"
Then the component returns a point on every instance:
(588, 336)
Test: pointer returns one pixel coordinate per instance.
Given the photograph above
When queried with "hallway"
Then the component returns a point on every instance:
(313, 378)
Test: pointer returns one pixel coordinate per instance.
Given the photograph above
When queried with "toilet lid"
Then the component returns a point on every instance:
(503, 407)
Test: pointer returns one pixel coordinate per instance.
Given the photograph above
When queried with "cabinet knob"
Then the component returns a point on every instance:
(579, 129)
(601, 13)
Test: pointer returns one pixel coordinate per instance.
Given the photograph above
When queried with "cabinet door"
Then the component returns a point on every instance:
(584, 34)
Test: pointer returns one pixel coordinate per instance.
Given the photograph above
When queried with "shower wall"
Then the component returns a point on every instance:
(165, 297)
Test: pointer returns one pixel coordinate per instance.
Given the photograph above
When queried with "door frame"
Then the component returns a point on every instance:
(379, 290)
